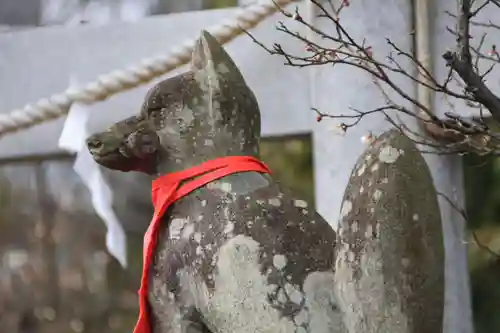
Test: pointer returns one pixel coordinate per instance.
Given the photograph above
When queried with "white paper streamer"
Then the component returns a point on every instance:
(72, 139)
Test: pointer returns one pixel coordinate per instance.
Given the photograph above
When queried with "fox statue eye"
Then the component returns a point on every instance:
(157, 118)
(142, 143)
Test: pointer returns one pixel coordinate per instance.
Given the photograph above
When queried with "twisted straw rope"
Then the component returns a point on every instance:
(117, 81)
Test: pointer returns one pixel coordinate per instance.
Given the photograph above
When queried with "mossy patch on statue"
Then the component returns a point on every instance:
(390, 252)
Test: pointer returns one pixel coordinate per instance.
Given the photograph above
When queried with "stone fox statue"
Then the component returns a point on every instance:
(239, 254)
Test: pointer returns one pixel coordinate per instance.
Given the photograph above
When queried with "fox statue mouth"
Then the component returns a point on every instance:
(112, 160)
(115, 160)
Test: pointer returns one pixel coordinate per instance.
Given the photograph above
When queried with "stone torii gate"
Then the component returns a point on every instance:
(37, 63)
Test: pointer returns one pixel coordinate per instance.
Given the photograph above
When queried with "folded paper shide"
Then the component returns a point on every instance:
(73, 139)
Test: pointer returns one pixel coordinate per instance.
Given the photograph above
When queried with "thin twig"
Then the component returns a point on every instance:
(453, 134)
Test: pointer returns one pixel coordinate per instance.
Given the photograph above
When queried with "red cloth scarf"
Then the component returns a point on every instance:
(166, 190)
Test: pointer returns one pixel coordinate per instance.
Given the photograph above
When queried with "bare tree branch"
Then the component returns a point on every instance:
(474, 234)
(452, 134)
(461, 62)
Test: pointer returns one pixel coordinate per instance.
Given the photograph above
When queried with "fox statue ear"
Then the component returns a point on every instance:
(211, 60)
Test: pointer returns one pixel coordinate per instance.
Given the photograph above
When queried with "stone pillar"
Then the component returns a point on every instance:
(334, 90)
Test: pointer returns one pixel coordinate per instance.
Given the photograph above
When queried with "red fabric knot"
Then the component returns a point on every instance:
(165, 191)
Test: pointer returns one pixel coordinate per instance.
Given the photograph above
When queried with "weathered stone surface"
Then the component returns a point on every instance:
(390, 256)
(241, 254)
